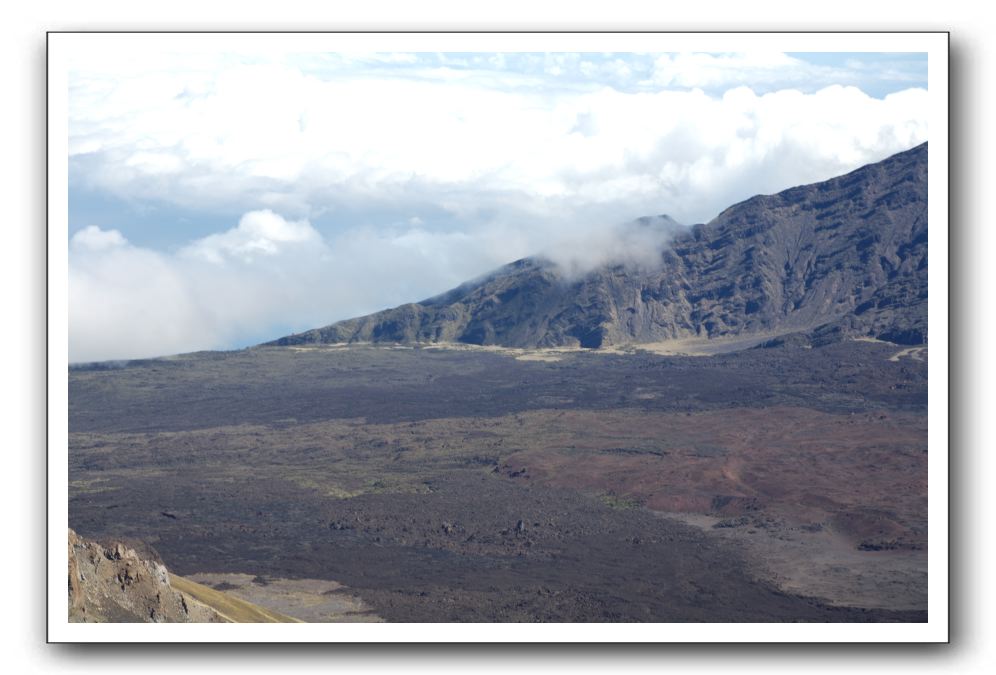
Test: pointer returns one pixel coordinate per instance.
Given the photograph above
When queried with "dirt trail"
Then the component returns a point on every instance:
(915, 353)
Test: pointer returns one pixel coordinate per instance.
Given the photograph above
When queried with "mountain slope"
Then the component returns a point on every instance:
(117, 584)
(847, 256)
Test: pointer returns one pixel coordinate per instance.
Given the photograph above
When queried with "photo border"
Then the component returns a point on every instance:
(59, 45)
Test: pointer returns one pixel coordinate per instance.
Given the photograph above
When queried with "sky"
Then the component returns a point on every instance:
(218, 200)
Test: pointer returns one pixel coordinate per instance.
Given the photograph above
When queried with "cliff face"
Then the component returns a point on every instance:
(845, 257)
(848, 254)
(112, 584)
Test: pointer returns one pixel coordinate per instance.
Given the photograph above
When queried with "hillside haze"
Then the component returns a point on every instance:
(844, 257)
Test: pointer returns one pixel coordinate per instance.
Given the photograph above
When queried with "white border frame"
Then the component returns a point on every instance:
(61, 50)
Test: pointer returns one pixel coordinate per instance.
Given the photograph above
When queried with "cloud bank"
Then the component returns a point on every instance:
(266, 135)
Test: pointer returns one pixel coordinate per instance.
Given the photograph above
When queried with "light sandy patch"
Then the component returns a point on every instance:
(465, 347)
(872, 340)
(547, 354)
(680, 347)
(308, 600)
(689, 346)
(337, 346)
(915, 353)
(232, 608)
(696, 346)
(549, 358)
(822, 564)
(673, 348)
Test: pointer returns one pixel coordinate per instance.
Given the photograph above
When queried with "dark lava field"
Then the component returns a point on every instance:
(438, 484)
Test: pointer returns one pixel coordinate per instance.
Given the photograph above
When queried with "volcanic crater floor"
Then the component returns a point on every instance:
(369, 483)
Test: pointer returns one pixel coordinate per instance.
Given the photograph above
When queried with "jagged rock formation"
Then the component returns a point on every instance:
(114, 584)
(845, 257)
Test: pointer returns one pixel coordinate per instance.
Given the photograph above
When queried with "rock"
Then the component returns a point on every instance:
(113, 584)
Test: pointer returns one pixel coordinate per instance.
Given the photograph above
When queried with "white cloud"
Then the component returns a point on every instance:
(769, 70)
(269, 135)
(264, 277)
(92, 238)
(127, 302)
(259, 233)
(636, 244)
(709, 71)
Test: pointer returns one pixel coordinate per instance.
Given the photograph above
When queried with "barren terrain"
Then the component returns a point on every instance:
(435, 484)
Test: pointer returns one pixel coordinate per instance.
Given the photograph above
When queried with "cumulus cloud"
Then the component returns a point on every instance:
(259, 233)
(253, 282)
(271, 135)
(92, 238)
(128, 301)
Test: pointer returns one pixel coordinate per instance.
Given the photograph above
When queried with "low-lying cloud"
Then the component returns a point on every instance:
(634, 244)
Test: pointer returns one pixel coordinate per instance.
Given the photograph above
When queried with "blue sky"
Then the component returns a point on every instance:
(246, 195)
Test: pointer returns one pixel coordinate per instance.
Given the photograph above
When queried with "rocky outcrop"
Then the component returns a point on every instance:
(842, 258)
(113, 584)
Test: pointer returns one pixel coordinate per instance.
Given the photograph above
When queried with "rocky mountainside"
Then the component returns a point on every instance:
(845, 257)
(113, 584)
(127, 582)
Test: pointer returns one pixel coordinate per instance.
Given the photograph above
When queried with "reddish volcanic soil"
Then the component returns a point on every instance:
(864, 475)
(825, 504)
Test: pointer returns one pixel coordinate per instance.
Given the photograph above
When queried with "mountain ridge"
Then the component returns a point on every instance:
(846, 257)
